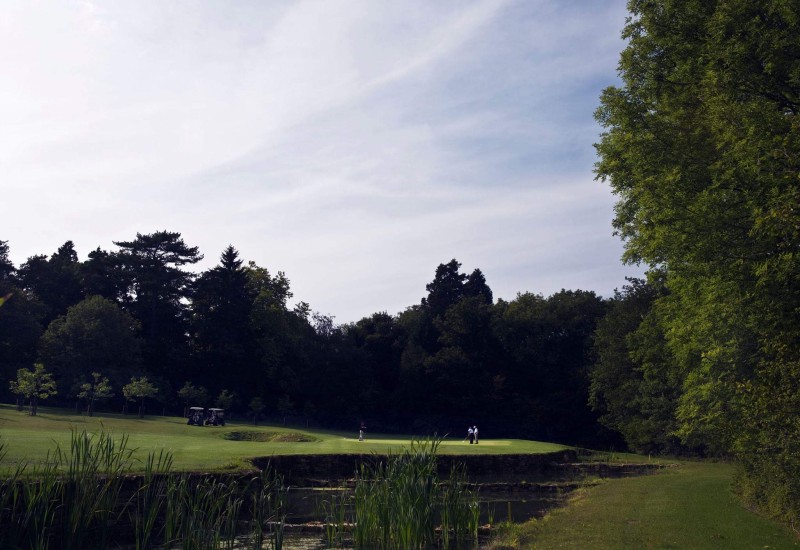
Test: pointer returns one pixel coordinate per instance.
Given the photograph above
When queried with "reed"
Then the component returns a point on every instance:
(397, 502)
(93, 473)
(336, 514)
(459, 512)
(147, 503)
(201, 513)
(73, 500)
(267, 510)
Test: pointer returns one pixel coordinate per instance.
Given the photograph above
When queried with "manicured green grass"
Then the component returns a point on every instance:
(689, 505)
(29, 438)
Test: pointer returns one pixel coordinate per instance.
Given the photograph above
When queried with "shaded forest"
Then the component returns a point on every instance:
(457, 358)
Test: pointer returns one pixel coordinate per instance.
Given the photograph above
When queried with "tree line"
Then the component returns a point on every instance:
(228, 336)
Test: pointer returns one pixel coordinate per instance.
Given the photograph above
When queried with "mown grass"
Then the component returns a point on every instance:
(195, 448)
(688, 505)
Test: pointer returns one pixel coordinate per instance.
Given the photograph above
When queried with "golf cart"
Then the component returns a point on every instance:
(196, 415)
(216, 417)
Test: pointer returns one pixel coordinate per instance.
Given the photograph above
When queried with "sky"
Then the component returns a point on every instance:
(354, 145)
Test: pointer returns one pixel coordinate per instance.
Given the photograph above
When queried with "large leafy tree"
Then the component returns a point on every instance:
(702, 149)
(94, 336)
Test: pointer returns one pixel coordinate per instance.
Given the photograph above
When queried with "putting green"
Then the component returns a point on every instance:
(30, 438)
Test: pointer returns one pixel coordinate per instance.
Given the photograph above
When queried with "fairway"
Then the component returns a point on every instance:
(688, 505)
(194, 448)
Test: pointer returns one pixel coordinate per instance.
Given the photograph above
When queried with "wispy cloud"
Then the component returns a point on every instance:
(353, 144)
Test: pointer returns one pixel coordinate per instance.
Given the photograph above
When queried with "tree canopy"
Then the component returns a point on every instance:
(701, 147)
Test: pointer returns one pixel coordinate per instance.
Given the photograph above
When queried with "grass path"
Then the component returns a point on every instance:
(28, 438)
(688, 506)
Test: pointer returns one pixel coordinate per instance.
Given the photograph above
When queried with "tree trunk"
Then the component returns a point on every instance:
(33, 406)
(141, 408)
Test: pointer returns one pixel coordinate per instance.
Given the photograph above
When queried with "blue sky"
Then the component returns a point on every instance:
(353, 145)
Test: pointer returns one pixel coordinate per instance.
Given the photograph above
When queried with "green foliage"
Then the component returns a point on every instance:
(225, 399)
(95, 335)
(398, 503)
(20, 328)
(155, 289)
(34, 385)
(701, 148)
(192, 395)
(56, 281)
(139, 388)
(98, 389)
(256, 407)
(635, 382)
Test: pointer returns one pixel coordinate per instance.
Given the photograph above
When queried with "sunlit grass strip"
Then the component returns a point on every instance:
(73, 500)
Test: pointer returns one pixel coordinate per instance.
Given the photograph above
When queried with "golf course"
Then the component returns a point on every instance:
(213, 448)
(681, 505)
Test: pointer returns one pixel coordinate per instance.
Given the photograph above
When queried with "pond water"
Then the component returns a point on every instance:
(516, 503)
(497, 504)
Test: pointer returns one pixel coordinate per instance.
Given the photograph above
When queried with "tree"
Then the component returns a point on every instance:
(7, 268)
(545, 357)
(98, 389)
(256, 408)
(446, 289)
(20, 328)
(634, 383)
(700, 147)
(225, 400)
(157, 294)
(223, 339)
(104, 275)
(139, 389)
(191, 394)
(55, 281)
(34, 385)
(95, 335)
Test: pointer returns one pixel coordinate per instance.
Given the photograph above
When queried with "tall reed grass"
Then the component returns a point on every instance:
(401, 503)
(86, 498)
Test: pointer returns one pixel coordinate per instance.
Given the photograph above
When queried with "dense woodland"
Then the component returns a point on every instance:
(456, 358)
(702, 148)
